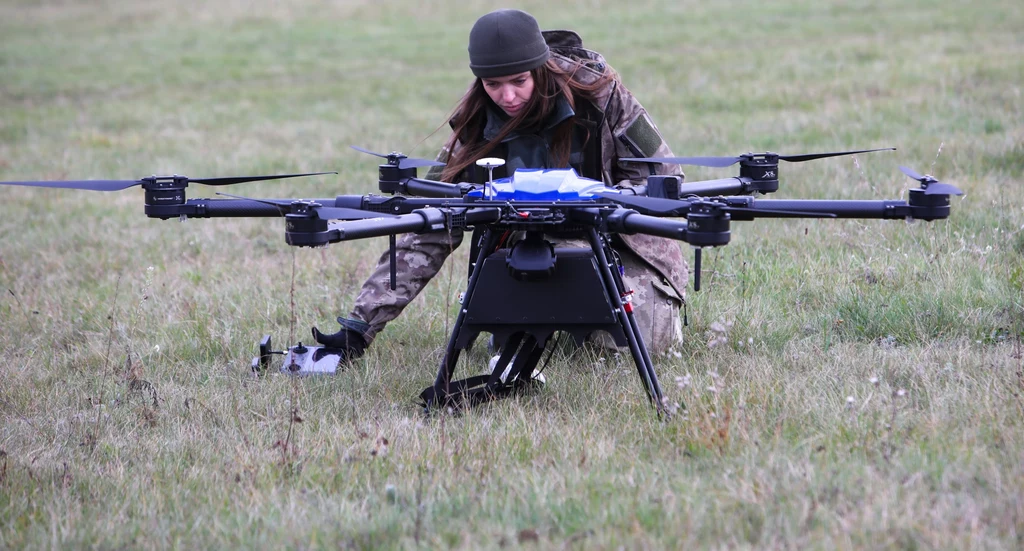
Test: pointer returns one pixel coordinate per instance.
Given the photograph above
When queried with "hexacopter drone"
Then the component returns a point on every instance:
(544, 289)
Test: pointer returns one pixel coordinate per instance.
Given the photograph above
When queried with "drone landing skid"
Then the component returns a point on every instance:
(522, 304)
(512, 373)
(299, 359)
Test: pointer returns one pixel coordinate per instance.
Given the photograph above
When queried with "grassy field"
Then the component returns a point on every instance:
(850, 384)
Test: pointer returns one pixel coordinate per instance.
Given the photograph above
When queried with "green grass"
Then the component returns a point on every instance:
(867, 394)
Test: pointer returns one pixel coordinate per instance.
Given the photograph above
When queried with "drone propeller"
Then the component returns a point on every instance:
(92, 185)
(322, 212)
(401, 160)
(117, 185)
(930, 185)
(238, 180)
(651, 205)
(669, 207)
(722, 162)
(713, 162)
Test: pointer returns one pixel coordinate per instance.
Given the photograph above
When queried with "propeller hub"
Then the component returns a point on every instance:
(155, 182)
(304, 207)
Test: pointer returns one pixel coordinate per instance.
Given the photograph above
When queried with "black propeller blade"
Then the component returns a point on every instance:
(812, 156)
(91, 185)
(930, 185)
(402, 160)
(242, 179)
(322, 212)
(713, 162)
(117, 185)
(652, 205)
(722, 162)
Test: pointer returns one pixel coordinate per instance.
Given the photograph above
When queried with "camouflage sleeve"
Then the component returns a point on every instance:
(435, 171)
(442, 156)
(632, 133)
(419, 257)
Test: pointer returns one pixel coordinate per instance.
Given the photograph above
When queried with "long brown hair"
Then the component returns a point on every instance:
(550, 82)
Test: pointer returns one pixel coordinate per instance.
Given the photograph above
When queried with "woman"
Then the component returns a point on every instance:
(540, 100)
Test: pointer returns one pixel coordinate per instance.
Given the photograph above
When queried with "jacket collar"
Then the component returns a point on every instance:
(496, 119)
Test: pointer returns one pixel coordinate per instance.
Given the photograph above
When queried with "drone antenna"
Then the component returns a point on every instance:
(696, 268)
(490, 163)
(393, 261)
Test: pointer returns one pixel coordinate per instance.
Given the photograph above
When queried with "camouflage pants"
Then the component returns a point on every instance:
(420, 257)
(655, 305)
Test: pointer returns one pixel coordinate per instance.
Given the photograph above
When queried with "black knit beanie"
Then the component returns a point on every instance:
(506, 42)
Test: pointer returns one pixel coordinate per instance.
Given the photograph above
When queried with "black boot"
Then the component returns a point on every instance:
(349, 339)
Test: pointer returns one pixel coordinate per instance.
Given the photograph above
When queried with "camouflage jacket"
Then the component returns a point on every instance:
(623, 129)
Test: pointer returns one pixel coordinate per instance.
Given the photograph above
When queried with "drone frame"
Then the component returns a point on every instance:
(413, 205)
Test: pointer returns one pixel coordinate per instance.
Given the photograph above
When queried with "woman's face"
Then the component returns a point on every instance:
(511, 92)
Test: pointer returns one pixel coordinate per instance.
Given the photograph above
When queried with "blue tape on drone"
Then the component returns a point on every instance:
(562, 184)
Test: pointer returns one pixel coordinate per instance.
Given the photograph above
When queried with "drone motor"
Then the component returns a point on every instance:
(762, 170)
(303, 228)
